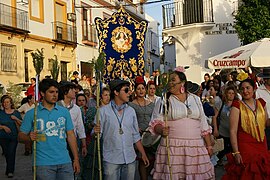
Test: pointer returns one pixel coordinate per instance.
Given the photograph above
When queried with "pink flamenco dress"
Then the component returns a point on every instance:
(251, 144)
(189, 158)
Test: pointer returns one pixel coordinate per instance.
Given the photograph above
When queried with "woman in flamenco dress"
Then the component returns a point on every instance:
(250, 159)
(188, 134)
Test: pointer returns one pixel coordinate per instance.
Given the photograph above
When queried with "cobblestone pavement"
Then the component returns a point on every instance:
(23, 169)
(23, 165)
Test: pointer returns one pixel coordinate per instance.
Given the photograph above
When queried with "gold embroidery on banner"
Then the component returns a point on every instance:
(116, 68)
(110, 65)
(121, 39)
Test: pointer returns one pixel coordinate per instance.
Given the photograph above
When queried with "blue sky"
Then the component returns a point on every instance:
(155, 10)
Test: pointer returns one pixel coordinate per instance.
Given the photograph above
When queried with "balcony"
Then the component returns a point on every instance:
(187, 12)
(90, 35)
(13, 20)
(64, 33)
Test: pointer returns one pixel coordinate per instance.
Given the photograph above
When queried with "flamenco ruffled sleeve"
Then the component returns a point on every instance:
(157, 116)
(153, 123)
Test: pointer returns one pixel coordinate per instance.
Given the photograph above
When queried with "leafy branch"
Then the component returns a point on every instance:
(55, 67)
(38, 60)
(99, 65)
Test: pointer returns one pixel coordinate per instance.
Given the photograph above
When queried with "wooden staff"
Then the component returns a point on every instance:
(35, 129)
(94, 160)
(166, 125)
(98, 122)
(38, 59)
(99, 68)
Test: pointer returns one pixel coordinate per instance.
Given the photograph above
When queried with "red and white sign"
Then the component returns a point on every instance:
(256, 54)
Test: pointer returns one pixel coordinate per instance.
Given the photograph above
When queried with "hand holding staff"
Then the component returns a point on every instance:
(165, 130)
(38, 59)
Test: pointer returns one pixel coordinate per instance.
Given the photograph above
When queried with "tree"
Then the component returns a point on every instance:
(253, 20)
(55, 67)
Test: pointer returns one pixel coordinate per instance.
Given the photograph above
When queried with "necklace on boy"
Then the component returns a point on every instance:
(120, 121)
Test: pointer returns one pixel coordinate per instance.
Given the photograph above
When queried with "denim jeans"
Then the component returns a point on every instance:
(119, 171)
(55, 172)
(9, 147)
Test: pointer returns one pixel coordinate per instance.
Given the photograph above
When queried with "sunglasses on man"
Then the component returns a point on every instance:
(126, 90)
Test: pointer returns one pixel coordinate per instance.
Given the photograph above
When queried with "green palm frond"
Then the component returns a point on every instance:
(38, 60)
(164, 84)
(55, 67)
(99, 64)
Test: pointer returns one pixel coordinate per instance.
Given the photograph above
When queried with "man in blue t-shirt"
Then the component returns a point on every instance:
(54, 126)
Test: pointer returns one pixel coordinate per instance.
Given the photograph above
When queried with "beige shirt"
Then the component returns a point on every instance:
(263, 93)
(24, 108)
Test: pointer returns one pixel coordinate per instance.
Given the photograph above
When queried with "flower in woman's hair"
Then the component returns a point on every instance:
(242, 76)
(139, 80)
(179, 69)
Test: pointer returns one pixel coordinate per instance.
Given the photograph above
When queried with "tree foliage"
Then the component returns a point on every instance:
(253, 20)
(15, 93)
(55, 68)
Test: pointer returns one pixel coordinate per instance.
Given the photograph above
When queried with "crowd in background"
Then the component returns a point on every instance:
(224, 105)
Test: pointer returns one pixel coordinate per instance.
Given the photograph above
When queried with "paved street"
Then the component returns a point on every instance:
(23, 166)
(23, 169)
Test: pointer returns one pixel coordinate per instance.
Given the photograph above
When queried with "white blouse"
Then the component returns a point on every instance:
(178, 110)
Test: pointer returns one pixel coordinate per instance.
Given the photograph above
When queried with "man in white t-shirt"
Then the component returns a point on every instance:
(264, 92)
(66, 97)
(27, 106)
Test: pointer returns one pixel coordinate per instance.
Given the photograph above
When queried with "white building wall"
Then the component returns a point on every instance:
(45, 29)
(194, 44)
(169, 56)
(86, 53)
(152, 54)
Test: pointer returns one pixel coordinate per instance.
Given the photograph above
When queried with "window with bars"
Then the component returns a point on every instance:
(85, 24)
(8, 58)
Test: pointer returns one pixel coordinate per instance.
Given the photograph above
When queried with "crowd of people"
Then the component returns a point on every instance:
(182, 127)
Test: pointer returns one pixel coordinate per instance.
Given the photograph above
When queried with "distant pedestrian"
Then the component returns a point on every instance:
(264, 92)
(75, 77)
(10, 119)
(206, 79)
(23, 109)
(31, 88)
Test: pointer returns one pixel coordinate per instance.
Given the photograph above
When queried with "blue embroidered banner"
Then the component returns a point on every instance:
(121, 38)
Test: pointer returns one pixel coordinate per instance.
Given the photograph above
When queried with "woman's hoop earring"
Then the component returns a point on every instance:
(182, 89)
